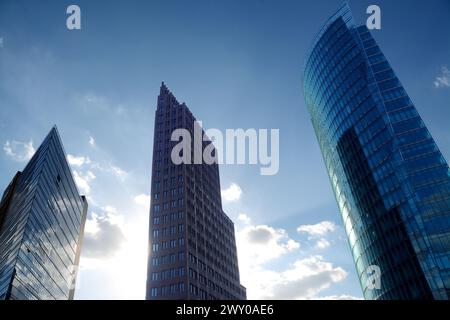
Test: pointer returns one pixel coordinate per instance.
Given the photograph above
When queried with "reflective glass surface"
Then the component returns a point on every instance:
(42, 229)
(390, 180)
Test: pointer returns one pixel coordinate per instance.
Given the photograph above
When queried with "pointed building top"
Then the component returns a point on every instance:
(163, 90)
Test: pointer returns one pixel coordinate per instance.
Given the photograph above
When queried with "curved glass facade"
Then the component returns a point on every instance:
(390, 180)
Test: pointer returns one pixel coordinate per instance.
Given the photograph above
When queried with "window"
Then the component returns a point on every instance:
(155, 247)
(181, 255)
(154, 292)
(156, 208)
(193, 289)
(156, 196)
(155, 276)
(156, 233)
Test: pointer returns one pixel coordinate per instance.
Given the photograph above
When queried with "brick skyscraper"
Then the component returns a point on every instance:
(192, 248)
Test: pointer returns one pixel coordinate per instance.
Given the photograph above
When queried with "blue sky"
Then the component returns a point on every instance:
(237, 64)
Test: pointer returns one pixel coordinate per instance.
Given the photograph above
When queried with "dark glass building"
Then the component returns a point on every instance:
(390, 180)
(192, 249)
(42, 219)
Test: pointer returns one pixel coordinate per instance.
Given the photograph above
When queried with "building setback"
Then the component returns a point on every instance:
(192, 249)
(390, 180)
(42, 219)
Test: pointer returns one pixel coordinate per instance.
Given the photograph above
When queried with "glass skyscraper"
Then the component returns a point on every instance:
(390, 180)
(191, 242)
(42, 219)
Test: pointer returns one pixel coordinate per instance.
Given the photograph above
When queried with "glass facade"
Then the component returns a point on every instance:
(191, 242)
(41, 228)
(390, 180)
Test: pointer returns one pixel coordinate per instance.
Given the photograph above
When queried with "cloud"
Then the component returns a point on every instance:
(263, 243)
(318, 232)
(103, 235)
(19, 151)
(90, 102)
(244, 218)
(323, 243)
(233, 193)
(78, 161)
(443, 79)
(110, 168)
(118, 172)
(305, 279)
(319, 229)
(83, 180)
(263, 252)
(92, 141)
(143, 200)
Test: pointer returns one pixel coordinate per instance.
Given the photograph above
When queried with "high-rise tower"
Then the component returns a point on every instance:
(192, 249)
(390, 180)
(42, 219)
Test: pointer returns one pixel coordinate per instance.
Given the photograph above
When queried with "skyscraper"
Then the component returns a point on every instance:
(390, 180)
(192, 249)
(42, 219)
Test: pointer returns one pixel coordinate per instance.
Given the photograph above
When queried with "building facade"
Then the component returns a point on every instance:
(192, 249)
(390, 180)
(42, 219)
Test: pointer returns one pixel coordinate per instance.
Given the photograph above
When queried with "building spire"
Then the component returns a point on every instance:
(163, 90)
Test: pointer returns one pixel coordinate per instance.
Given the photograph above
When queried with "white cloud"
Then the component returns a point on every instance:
(322, 243)
(78, 161)
(103, 236)
(318, 232)
(118, 172)
(262, 247)
(92, 141)
(244, 218)
(319, 229)
(110, 168)
(443, 79)
(19, 151)
(143, 200)
(263, 243)
(304, 279)
(83, 180)
(116, 247)
(233, 193)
